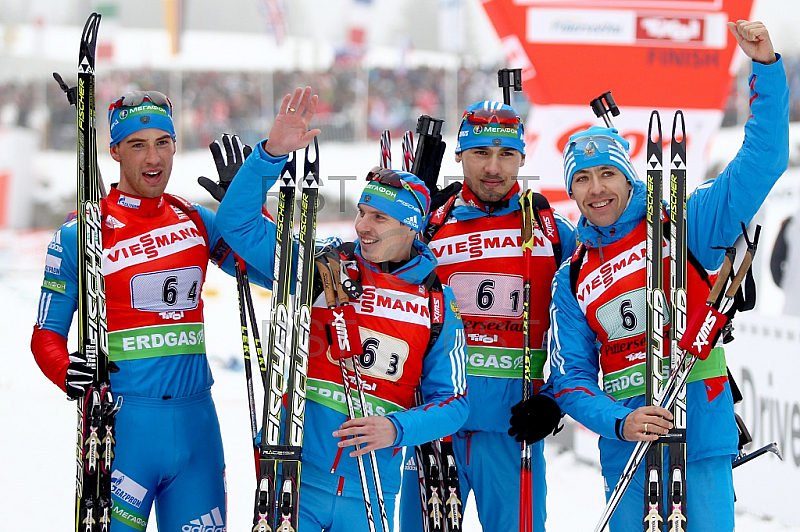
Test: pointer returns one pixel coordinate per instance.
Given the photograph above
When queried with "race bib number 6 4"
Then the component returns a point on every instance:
(174, 290)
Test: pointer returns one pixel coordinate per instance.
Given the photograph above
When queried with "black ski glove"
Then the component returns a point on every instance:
(227, 166)
(80, 376)
(534, 419)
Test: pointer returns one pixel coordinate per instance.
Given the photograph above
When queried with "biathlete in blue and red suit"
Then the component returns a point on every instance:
(590, 335)
(476, 237)
(156, 248)
(394, 320)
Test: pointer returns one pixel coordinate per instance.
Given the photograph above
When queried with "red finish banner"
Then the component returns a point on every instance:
(659, 54)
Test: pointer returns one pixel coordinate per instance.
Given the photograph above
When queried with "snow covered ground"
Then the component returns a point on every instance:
(37, 442)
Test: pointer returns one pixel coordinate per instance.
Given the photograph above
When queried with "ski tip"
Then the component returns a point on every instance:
(654, 127)
(311, 166)
(312, 152)
(678, 127)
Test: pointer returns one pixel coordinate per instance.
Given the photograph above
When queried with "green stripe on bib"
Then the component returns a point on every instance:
(503, 362)
(629, 382)
(332, 395)
(133, 520)
(158, 341)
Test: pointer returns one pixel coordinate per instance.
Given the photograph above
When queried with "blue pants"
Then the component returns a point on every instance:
(321, 510)
(709, 492)
(488, 465)
(169, 451)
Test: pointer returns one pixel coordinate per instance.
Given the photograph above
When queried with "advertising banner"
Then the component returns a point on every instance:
(661, 54)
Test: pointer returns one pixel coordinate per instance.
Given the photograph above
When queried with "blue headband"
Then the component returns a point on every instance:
(597, 146)
(124, 120)
(402, 204)
(490, 123)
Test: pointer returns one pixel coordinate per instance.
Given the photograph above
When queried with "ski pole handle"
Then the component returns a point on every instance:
(340, 292)
(603, 106)
(327, 282)
(739, 277)
(722, 278)
(507, 78)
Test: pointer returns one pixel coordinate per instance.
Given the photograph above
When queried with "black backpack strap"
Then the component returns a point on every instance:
(575, 268)
(546, 219)
(441, 205)
(436, 309)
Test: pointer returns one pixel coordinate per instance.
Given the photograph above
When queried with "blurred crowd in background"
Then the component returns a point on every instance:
(355, 103)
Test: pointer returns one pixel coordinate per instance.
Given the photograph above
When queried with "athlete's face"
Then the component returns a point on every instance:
(145, 162)
(490, 171)
(382, 237)
(602, 194)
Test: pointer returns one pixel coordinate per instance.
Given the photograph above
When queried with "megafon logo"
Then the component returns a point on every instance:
(210, 522)
(670, 29)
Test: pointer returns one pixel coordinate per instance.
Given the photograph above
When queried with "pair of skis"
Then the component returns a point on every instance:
(657, 317)
(440, 495)
(286, 367)
(656, 321)
(97, 410)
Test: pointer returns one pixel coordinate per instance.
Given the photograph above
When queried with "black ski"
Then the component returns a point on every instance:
(287, 351)
(525, 474)
(301, 335)
(656, 318)
(676, 439)
(270, 450)
(97, 411)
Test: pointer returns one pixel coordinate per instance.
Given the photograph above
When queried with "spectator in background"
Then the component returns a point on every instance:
(785, 263)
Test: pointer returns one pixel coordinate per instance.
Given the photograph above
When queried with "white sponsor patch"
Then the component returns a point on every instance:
(611, 271)
(52, 264)
(113, 223)
(209, 522)
(127, 201)
(394, 305)
(126, 489)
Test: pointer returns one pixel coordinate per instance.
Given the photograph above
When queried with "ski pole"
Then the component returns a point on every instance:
(330, 274)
